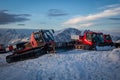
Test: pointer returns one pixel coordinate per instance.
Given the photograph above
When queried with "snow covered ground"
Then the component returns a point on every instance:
(70, 65)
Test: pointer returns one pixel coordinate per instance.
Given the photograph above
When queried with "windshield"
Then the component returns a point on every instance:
(98, 38)
(48, 36)
(108, 37)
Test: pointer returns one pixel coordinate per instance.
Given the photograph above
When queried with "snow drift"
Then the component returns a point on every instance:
(71, 65)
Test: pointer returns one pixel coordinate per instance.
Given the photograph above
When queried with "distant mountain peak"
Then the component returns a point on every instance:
(64, 35)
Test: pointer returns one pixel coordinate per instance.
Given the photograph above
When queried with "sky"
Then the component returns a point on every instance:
(60, 14)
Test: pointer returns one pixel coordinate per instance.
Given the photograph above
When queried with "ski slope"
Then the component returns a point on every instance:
(70, 65)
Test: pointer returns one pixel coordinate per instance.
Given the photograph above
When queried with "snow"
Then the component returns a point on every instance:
(118, 41)
(115, 55)
(69, 65)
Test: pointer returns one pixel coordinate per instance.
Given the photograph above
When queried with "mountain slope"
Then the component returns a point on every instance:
(65, 34)
(8, 36)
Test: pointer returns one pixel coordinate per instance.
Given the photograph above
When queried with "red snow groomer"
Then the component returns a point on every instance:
(89, 40)
(40, 43)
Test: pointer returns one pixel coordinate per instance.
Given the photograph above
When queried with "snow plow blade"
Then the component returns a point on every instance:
(2, 52)
(28, 54)
(104, 48)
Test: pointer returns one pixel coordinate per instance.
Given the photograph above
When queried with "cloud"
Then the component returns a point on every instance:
(21, 24)
(105, 13)
(6, 18)
(56, 12)
(87, 24)
(82, 25)
(90, 19)
(114, 19)
(110, 6)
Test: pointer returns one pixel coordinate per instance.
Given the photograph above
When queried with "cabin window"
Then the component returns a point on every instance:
(38, 37)
(89, 37)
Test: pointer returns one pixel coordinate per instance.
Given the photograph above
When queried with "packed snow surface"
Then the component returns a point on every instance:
(70, 65)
